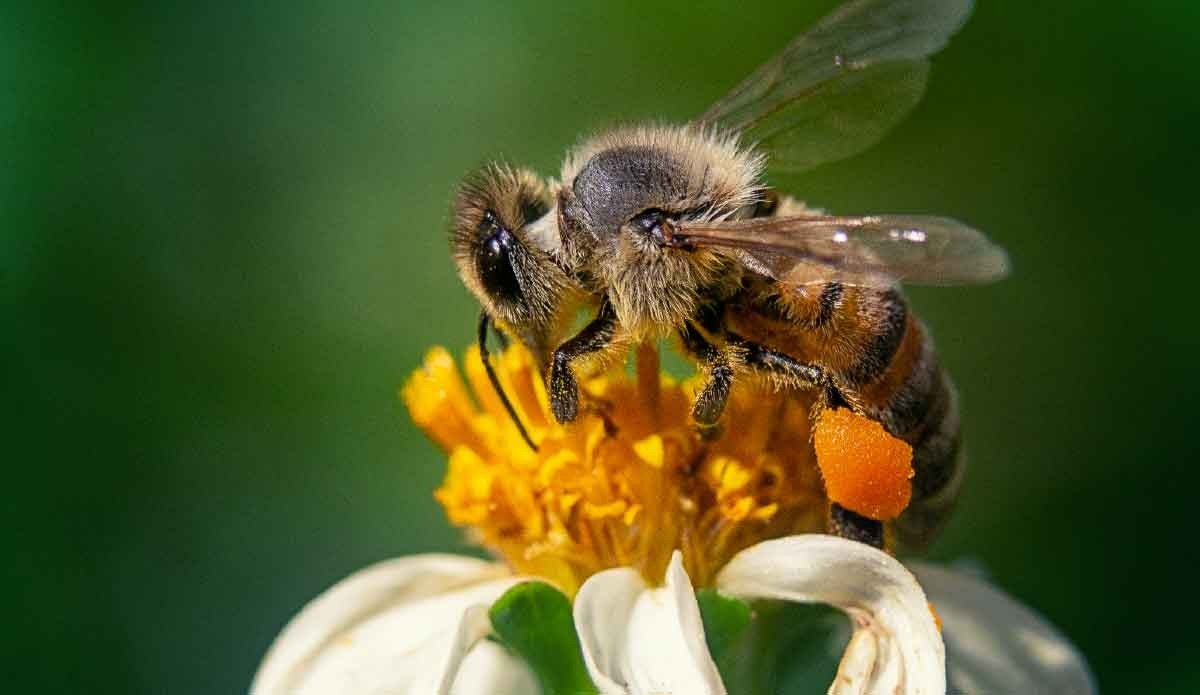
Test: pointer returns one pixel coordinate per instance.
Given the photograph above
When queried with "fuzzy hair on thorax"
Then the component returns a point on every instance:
(687, 172)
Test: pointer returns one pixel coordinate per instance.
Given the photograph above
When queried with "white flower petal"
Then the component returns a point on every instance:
(996, 645)
(390, 628)
(667, 652)
(896, 647)
(601, 612)
(641, 640)
(490, 668)
(434, 665)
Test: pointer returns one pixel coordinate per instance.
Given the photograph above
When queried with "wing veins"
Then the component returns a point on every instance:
(922, 249)
(804, 87)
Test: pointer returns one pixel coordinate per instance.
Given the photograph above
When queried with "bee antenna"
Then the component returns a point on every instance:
(484, 322)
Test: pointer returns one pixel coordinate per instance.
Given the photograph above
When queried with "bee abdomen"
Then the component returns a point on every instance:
(885, 366)
(924, 412)
(938, 464)
(827, 304)
(885, 314)
(914, 399)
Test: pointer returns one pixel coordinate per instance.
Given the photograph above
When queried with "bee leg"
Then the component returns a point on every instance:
(790, 369)
(564, 391)
(710, 402)
(855, 527)
(842, 521)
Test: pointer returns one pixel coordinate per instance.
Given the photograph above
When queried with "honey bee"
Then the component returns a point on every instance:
(672, 231)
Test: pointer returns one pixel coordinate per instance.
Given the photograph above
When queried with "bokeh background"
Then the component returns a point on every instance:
(223, 248)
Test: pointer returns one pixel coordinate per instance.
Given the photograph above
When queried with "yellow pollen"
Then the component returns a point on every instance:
(650, 450)
(628, 483)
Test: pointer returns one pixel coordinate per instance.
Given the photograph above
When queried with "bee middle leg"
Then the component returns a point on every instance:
(713, 396)
(594, 337)
(720, 362)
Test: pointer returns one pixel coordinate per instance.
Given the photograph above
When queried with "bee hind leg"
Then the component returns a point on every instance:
(842, 522)
(791, 370)
(594, 337)
(855, 527)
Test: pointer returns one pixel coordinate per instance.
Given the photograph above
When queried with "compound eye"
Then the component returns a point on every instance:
(494, 261)
(494, 247)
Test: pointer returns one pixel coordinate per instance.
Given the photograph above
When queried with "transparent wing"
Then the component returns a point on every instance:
(838, 88)
(876, 250)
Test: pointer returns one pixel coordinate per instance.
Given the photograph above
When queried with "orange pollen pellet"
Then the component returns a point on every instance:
(866, 470)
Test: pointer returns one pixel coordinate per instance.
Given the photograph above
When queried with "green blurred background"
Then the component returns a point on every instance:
(224, 248)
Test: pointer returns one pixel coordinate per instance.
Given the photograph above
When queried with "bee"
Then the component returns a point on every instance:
(673, 231)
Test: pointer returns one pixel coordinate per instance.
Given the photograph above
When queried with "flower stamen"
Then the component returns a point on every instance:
(622, 487)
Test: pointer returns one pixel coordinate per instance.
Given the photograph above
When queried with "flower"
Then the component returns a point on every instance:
(629, 482)
(402, 626)
(628, 511)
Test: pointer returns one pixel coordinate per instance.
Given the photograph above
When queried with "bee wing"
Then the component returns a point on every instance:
(838, 88)
(875, 250)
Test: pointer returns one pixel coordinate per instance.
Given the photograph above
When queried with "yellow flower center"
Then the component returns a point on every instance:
(629, 482)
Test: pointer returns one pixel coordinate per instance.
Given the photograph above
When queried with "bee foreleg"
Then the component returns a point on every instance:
(710, 402)
(564, 390)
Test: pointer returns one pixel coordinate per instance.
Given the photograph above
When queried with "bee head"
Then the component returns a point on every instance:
(498, 258)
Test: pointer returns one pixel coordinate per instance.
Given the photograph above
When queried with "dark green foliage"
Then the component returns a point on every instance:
(533, 619)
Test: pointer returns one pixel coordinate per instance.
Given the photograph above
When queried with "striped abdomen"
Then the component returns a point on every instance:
(883, 365)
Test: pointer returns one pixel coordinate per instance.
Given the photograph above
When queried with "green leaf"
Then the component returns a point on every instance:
(724, 619)
(784, 649)
(533, 619)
